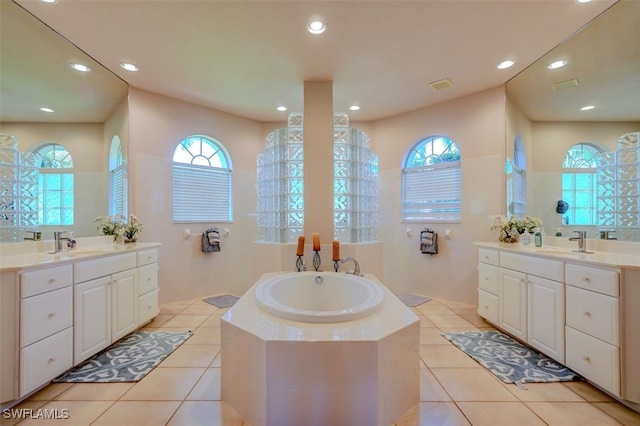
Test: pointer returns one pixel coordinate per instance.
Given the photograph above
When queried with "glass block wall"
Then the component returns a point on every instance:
(18, 190)
(618, 198)
(280, 184)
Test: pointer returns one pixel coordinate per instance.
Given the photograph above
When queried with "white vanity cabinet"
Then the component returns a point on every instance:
(489, 285)
(532, 301)
(46, 325)
(105, 302)
(147, 285)
(592, 324)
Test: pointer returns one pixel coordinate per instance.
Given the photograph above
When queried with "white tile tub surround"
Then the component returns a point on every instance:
(281, 372)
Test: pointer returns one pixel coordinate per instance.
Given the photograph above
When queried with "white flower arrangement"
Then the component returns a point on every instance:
(117, 225)
(510, 227)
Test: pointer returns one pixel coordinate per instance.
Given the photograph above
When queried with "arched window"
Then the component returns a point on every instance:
(118, 182)
(55, 193)
(431, 181)
(201, 181)
(579, 184)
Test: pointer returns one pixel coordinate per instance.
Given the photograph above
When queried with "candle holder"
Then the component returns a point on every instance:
(336, 265)
(316, 260)
(299, 263)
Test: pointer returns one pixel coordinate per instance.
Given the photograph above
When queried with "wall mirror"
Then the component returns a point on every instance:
(90, 111)
(544, 114)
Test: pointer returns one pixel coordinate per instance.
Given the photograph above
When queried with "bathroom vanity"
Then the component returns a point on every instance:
(59, 309)
(579, 309)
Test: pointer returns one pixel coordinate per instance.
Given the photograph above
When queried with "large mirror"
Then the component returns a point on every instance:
(551, 140)
(89, 121)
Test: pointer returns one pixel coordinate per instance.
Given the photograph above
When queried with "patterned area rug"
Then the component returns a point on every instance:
(222, 301)
(413, 300)
(508, 359)
(128, 360)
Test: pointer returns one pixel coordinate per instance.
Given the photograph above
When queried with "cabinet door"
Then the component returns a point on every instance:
(124, 301)
(513, 303)
(92, 318)
(545, 316)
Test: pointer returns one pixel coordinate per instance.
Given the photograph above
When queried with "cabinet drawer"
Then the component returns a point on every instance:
(489, 306)
(45, 314)
(43, 280)
(147, 306)
(603, 281)
(45, 360)
(489, 278)
(147, 278)
(545, 268)
(594, 359)
(489, 256)
(148, 256)
(90, 269)
(593, 313)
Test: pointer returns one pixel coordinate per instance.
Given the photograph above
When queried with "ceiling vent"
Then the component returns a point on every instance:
(565, 84)
(441, 84)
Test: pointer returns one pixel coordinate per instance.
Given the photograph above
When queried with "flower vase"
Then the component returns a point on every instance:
(508, 237)
(130, 240)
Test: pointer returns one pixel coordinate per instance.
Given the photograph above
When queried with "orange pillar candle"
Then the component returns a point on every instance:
(300, 251)
(336, 250)
(316, 241)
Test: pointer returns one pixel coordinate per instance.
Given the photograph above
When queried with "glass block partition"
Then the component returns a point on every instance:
(18, 190)
(618, 198)
(280, 184)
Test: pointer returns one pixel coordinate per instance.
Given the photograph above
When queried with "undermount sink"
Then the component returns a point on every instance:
(71, 254)
(559, 250)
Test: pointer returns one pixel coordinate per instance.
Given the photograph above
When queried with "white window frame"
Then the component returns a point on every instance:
(58, 166)
(575, 166)
(118, 180)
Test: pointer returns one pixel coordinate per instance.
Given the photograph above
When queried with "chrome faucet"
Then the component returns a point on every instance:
(58, 238)
(581, 239)
(35, 235)
(356, 265)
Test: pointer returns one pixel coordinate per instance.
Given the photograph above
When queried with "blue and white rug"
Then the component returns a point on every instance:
(508, 359)
(128, 360)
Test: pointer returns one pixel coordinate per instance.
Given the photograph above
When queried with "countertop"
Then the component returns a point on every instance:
(45, 258)
(595, 258)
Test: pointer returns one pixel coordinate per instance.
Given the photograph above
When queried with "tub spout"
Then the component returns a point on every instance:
(356, 265)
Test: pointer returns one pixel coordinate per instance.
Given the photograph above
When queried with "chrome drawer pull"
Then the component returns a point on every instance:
(586, 359)
(587, 314)
(52, 280)
(52, 360)
(52, 314)
(586, 279)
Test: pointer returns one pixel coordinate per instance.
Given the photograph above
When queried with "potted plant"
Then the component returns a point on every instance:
(131, 229)
(110, 225)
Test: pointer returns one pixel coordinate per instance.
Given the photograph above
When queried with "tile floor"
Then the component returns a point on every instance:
(454, 390)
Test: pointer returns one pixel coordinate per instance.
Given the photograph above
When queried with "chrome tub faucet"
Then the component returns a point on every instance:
(356, 265)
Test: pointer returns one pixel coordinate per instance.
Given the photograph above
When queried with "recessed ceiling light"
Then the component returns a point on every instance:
(354, 108)
(46, 109)
(129, 66)
(281, 108)
(79, 67)
(49, 1)
(557, 64)
(583, 1)
(587, 108)
(316, 27)
(505, 64)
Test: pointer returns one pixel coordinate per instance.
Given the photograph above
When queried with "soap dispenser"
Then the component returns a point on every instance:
(71, 242)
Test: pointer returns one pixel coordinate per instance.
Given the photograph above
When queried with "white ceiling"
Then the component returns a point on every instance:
(247, 57)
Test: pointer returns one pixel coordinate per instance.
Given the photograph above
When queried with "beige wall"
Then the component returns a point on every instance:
(157, 124)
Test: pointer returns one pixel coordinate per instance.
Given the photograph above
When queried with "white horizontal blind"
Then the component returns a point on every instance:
(119, 191)
(201, 194)
(519, 192)
(432, 193)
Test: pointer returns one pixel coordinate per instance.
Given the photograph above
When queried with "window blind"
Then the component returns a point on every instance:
(432, 193)
(201, 194)
(519, 192)
(119, 194)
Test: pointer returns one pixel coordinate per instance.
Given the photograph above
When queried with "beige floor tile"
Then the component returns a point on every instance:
(472, 384)
(476, 320)
(432, 414)
(206, 413)
(441, 356)
(544, 392)
(188, 321)
(50, 392)
(449, 321)
(434, 308)
(76, 413)
(208, 387)
(432, 336)
(138, 413)
(571, 413)
(499, 414)
(217, 361)
(199, 309)
(212, 322)
(430, 389)
(159, 320)
(619, 412)
(95, 392)
(588, 391)
(18, 413)
(171, 309)
(204, 336)
(462, 308)
(191, 356)
(424, 322)
(165, 384)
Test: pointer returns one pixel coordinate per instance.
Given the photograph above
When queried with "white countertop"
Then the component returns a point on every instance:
(13, 262)
(595, 257)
